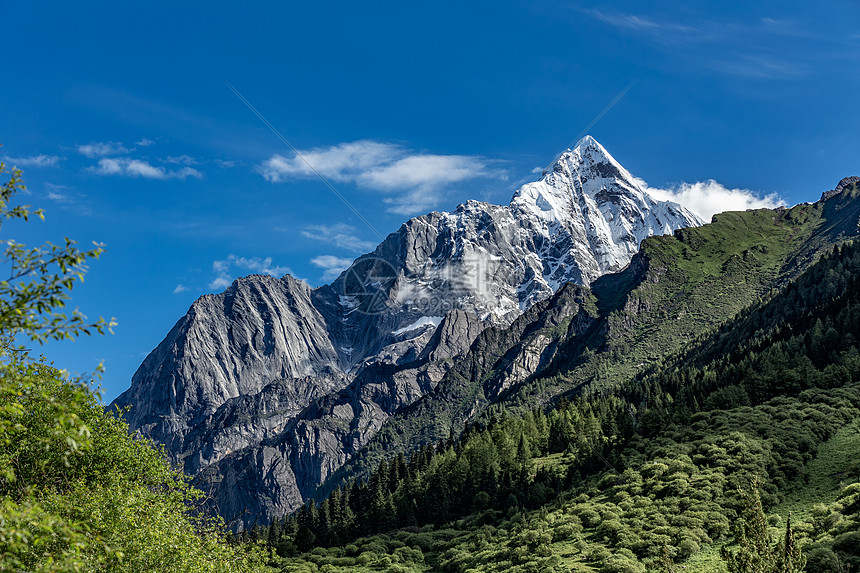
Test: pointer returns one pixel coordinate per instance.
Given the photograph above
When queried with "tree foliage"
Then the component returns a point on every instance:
(40, 278)
(756, 551)
(640, 474)
(77, 492)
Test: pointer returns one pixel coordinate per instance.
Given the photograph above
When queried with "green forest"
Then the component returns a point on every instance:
(736, 448)
(661, 472)
(678, 290)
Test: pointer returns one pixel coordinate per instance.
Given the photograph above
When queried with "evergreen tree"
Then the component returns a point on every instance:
(755, 552)
(274, 532)
(789, 559)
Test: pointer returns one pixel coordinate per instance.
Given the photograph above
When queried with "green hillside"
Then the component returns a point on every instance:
(677, 290)
(651, 470)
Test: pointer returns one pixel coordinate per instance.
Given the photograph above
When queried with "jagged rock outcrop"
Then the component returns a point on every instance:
(843, 183)
(319, 441)
(259, 331)
(264, 390)
(587, 340)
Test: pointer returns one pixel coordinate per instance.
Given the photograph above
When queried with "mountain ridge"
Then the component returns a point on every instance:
(329, 365)
(676, 288)
(759, 416)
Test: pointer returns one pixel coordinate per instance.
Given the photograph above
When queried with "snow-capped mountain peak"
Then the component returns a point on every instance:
(585, 170)
(587, 155)
(334, 362)
(588, 196)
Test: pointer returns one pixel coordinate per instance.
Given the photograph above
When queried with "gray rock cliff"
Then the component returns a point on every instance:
(263, 391)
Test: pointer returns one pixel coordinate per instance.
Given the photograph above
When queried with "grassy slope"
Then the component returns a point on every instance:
(837, 461)
(559, 537)
(836, 465)
(689, 284)
(695, 281)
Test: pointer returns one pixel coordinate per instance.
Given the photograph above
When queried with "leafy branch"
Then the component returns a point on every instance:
(40, 279)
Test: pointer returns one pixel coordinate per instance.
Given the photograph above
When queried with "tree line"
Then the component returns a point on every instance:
(791, 357)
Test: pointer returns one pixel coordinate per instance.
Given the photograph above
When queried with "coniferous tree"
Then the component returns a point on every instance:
(756, 553)
(274, 532)
(789, 558)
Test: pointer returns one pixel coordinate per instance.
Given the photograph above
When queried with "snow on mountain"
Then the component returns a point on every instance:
(280, 384)
(585, 217)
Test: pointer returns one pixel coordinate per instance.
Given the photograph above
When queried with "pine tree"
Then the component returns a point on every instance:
(754, 551)
(523, 454)
(325, 525)
(274, 532)
(790, 559)
(336, 525)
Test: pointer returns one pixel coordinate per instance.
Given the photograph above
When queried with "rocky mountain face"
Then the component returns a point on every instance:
(266, 389)
(678, 288)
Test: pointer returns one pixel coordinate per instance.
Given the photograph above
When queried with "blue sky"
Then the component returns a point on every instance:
(127, 133)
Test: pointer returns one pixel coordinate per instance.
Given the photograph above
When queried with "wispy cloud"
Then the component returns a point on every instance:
(343, 162)
(57, 192)
(787, 27)
(422, 171)
(387, 167)
(706, 198)
(226, 270)
(763, 66)
(35, 161)
(115, 160)
(767, 48)
(658, 29)
(340, 235)
(180, 288)
(65, 197)
(182, 160)
(128, 167)
(103, 149)
(412, 202)
(59, 197)
(331, 265)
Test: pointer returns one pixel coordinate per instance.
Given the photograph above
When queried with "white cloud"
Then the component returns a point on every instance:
(762, 66)
(59, 197)
(67, 198)
(732, 47)
(219, 283)
(35, 161)
(423, 171)
(225, 270)
(93, 150)
(180, 288)
(138, 168)
(340, 235)
(644, 24)
(182, 160)
(706, 198)
(382, 166)
(332, 265)
(343, 162)
(144, 142)
(411, 202)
